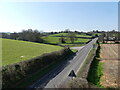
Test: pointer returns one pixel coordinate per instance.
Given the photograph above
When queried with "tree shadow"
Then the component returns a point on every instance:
(49, 76)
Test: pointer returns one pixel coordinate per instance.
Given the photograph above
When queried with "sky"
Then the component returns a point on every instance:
(58, 16)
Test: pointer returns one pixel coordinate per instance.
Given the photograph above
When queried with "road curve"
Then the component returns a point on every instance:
(60, 73)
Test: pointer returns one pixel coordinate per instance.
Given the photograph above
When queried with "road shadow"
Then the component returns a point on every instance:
(46, 78)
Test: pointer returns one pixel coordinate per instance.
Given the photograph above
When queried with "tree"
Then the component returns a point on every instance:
(72, 36)
(96, 35)
(103, 37)
(62, 39)
(14, 35)
(30, 35)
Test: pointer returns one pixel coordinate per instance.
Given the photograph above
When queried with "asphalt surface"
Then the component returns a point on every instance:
(77, 48)
(60, 74)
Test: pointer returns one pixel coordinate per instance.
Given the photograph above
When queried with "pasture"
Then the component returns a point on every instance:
(14, 51)
(65, 34)
(55, 40)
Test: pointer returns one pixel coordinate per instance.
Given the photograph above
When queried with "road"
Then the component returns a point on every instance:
(60, 74)
(77, 48)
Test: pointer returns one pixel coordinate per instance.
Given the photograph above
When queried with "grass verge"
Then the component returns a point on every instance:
(95, 71)
(86, 61)
(74, 50)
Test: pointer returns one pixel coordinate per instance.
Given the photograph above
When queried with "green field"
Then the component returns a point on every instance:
(59, 34)
(83, 35)
(14, 51)
(65, 34)
(97, 34)
(80, 40)
(55, 40)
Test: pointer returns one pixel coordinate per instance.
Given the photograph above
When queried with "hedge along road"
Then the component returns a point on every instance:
(60, 73)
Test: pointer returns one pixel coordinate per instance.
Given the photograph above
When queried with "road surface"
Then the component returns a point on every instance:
(77, 48)
(60, 74)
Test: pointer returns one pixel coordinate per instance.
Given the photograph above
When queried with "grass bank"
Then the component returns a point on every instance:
(86, 62)
(95, 71)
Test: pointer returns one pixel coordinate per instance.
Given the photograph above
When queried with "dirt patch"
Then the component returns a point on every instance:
(109, 52)
(109, 56)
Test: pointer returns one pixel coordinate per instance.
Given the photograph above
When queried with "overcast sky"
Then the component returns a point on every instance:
(57, 16)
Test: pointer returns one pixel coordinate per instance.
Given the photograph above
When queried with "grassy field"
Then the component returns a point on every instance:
(55, 40)
(59, 34)
(14, 51)
(80, 40)
(97, 34)
(49, 39)
(83, 35)
(65, 34)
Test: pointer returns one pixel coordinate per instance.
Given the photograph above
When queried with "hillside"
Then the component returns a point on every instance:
(65, 34)
(14, 51)
(55, 40)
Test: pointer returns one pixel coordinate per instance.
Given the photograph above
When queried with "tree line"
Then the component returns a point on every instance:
(36, 36)
(110, 36)
(25, 35)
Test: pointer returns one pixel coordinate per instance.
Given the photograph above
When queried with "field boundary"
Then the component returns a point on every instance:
(95, 70)
(76, 37)
(19, 71)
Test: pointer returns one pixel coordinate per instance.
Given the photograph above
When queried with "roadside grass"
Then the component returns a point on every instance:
(96, 70)
(36, 76)
(95, 73)
(84, 64)
(74, 50)
(14, 51)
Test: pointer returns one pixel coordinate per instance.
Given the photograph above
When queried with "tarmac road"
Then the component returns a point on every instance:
(60, 74)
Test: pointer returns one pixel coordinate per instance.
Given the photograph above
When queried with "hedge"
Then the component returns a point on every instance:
(11, 74)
